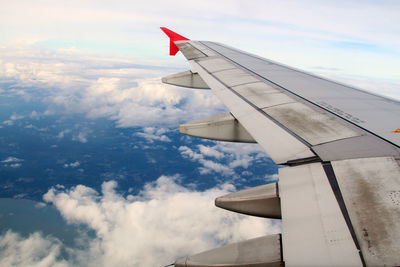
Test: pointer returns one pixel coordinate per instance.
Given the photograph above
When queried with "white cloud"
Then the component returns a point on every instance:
(81, 137)
(272, 177)
(152, 134)
(358, 18)
(34, 250)
(229, 155)
(34, 115)
(15, 117)
(320, 32)
(62, 133)
(72, 164)
(152, 103)
(15, 165)
(11, 160)
(118, 89)
(209, 165)
(8, 122)
(210, 151)
(163, 222)
(186, 151)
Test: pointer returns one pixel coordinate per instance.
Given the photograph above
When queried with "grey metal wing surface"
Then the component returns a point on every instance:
(338, 194)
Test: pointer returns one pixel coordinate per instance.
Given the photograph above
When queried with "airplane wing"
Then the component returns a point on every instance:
(338, 193)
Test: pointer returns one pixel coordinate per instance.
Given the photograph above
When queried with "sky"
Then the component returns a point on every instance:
(104, 59)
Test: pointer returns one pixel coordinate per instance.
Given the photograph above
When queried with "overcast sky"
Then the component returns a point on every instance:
(88, 57)
(341, 37)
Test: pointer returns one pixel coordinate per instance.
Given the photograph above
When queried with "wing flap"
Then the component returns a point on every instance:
(216, 64)
(205, 50)
(235, 77)
(371, 192)
(262, 95)
(365, 146)
(312, 126)
(280, 145)
(313, 228)
(189, 51)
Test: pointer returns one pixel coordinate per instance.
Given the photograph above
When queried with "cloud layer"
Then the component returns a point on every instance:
(117, 89)
(358, 37)
(163, 222)
(229, 160)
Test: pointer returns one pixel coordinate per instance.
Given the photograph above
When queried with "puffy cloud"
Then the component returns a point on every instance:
(81, 137)
(14, 117)
(187, 152)
(72, 164)
(272, 177)
(210, 151)
(161, 223)
(12, 162)
(15, 165)
(118, 89)
(152, 103)
(34, 250)
(34, 115)
(11, 159)
(229, 155)
(62, 133)
(208, 166)
(151, 134)
(8, 122)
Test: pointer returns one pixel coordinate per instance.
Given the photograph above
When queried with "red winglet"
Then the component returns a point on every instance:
(173, 36)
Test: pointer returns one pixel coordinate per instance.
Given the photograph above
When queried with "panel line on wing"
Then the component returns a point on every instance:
(299, 96)
(259, 109)
(272, 62)
(330, 174)
(279, 143)
(303, 122)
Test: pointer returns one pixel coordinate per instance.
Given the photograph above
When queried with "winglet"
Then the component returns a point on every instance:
(173, 36)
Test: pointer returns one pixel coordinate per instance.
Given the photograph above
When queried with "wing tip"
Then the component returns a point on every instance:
(173, 37)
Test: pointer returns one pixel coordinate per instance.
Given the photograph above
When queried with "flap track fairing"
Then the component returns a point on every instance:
(223, 127)
(186, 79)
(261, 201)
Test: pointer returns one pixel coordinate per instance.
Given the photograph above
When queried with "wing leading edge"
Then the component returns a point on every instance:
(339, 194)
